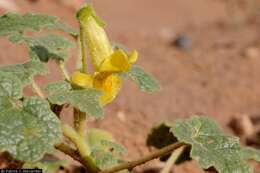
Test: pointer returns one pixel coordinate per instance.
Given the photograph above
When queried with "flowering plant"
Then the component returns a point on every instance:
(30, 126)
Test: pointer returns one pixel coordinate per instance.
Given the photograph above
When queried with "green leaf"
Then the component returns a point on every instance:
(103, 140)
(65, 28)
(26, 71)
(104, 159)
(86, 100)
(11, 23)
(113, 146)
(146, 82)
(94, 137)
(56, 87)
(28, 129)
(251, 154)
(10, 86)
(210, 146)
(49, 47)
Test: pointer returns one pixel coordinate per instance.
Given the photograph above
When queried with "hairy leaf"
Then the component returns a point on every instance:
(210, 146)
(25, 72)
(104, 148)
(113, 146)
(28, 129)
(103, 140)
(15, 24)
(86, 100)
(104, 159)
(146, 82)
(10, 86)
(94, 137)
(49, 47)
(11, 23)
(56, 87)
(65, 28)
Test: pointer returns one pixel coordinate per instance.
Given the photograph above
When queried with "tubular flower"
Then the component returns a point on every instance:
(107, 62)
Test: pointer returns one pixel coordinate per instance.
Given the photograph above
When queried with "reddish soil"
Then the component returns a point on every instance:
(218, 77)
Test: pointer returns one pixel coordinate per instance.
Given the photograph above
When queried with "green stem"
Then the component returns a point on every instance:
(80, 119)
(66, 149)
(83, 50)
(37, 89)
(77, 140)
(81, 145)
(173, 158)
(64, 70)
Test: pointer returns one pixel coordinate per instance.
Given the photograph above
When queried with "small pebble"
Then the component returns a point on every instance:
(121, 116)
(183, 42)
(251, 52)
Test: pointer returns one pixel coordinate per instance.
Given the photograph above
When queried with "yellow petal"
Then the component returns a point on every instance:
(82, 79)
(117, 62)
(133, 57)
(110, 86)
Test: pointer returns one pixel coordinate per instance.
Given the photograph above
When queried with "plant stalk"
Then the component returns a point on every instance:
(80, 121)
(81, 145)
(173, 158)
(153, 155)
(37, 89)
(79, 142)
(74, 154)
(64, 70)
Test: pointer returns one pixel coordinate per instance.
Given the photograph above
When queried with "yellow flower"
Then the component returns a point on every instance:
(106, 61)
(109, 84)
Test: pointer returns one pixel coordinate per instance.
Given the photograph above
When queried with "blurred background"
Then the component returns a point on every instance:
(205, 53)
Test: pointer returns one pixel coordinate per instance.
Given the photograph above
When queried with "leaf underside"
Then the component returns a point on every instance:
(210, 146)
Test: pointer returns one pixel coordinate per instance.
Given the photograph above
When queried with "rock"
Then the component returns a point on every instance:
(183, 42)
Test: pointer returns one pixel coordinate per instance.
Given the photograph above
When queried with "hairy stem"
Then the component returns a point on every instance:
(173, 158)
(153, 155)
(80, 119)
(37, 89)
(64, 70)
(79, 142)
(83, 50)
(74, 154)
